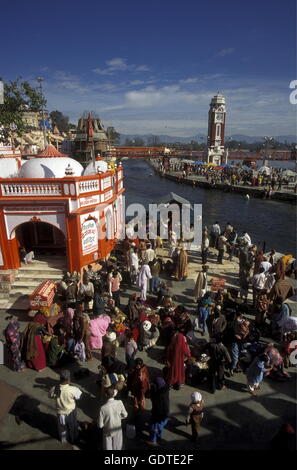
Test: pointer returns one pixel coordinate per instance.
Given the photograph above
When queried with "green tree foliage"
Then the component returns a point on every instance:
(19, 97)
(60, 120)
(113, 135)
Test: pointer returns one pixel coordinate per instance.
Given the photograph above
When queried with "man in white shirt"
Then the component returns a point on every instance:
(66, 396)
(110, 419)
(149, 254)
(258, 282)
(266, 265)
(134, 262)
(247, 238)
(214, 234)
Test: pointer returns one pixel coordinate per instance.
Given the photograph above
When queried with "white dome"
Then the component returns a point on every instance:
(49, 167)
(8, 167)
(100, 167)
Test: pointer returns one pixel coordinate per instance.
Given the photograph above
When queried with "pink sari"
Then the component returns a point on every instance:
(98, 328)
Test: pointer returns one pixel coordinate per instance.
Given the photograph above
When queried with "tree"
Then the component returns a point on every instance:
(19, 97)
(60, 120)
(113, 135)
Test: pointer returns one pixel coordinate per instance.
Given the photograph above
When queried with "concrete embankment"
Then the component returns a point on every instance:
(201, 182)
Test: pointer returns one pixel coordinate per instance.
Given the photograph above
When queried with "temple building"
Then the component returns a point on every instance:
(51, 203)
(90, 136)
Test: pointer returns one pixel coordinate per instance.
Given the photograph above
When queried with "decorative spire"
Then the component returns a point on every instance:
(69, 170)
(51, 152)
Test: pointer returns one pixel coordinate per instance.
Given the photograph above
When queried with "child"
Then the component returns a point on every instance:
(195, 414)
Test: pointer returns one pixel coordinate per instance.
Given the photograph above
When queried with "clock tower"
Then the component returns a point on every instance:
(216, 130)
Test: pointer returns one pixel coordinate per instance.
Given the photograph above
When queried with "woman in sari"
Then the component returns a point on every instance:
(81, 330)
(68, 321)
(12, 336)
(33, 348)
(282, 266)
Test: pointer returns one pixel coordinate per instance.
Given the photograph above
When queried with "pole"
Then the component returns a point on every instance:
(40, 79)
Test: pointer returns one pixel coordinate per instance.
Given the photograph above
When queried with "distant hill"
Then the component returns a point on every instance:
(200, 138)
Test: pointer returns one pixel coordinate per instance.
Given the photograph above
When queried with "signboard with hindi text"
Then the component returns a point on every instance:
(89, 237)
(43, 295)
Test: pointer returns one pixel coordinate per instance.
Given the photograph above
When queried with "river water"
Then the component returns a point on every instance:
(265, 220)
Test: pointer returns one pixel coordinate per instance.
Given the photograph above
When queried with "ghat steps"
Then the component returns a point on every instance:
(28, 278)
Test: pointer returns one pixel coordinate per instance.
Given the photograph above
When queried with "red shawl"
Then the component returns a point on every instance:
(176, 352)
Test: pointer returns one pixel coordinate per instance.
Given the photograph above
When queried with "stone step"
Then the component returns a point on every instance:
(25, 283)
(29, 277)
(3, 304)
(38, 266)
(36, 272)
(17, 292)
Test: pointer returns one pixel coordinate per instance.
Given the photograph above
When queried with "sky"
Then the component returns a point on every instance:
(151, 67)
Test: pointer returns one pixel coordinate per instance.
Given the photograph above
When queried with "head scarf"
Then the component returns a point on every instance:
(196, 397)
(146, 325)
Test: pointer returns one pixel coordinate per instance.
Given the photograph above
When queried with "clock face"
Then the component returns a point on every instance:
(219, 117)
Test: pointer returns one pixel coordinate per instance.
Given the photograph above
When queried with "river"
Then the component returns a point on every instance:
(265, 220)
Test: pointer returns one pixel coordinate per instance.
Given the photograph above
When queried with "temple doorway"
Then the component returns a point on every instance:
(42, 238)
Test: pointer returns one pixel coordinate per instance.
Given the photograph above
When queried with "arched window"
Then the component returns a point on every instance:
(218, 130)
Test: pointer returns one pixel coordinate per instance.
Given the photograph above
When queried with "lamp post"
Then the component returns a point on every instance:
(40, 80)
(268, 140)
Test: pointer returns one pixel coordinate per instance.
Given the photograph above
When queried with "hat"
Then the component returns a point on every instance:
(111, 336)
(196, 396)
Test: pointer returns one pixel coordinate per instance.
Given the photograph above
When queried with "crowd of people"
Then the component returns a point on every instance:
(224, 336)
(232, 176)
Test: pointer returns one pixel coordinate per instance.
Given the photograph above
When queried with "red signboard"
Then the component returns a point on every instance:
(43, 295)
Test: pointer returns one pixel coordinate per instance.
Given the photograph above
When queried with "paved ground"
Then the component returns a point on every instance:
(233, 419)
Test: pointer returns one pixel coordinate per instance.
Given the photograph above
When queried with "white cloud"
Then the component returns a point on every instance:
(142, 68)
(118, 64)
(189, 80)
(224, 52)
(254, 106)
